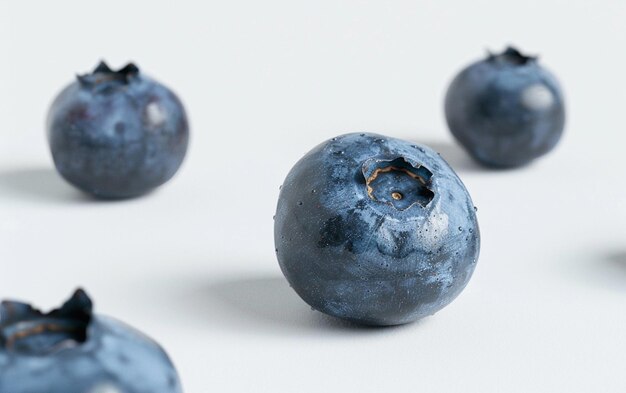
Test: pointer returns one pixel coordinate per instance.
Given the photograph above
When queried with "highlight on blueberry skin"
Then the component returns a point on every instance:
(506, 110)
(375, 230)
(117, 134)
(72, 350)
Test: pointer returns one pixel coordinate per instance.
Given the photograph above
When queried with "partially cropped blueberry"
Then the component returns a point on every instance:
(72, 350)
(117, 134)
(375, 230)
(506, 110)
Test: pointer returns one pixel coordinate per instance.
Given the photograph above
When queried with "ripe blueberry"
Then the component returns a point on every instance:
(375, 230)
(72, 350)
(117, 134)
(506, 110)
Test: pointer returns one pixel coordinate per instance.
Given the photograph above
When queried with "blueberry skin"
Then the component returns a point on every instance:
(117, 134)
(506, 110)
(70, 350)
(375, 230)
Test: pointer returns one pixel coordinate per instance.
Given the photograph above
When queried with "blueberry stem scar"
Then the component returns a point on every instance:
(398, 183)
(511, 56)
(39, 329)
(25, 329)
(103, 73)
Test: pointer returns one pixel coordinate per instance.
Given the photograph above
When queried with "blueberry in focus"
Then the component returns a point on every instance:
(375, 230)
(506, 110)
(117, 134)
(72, 350)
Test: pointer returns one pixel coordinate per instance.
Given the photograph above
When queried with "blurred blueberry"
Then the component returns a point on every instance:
(506, 110)
(117, 134)
(71, 350)
(375, 230)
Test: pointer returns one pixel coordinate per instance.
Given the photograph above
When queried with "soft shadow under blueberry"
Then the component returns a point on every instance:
(41, 184)
(267, 300)
(614, 269)
(261, 303)
(607, 271)
(618, 261)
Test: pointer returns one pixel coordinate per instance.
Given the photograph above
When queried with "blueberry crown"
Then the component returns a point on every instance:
(398, 182)
(511, 56)
(104, 75)
(24, 329)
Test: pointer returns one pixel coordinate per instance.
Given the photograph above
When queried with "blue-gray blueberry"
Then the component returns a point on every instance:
(506, 110)
(72, 350)
(117, 134)
(375, 230)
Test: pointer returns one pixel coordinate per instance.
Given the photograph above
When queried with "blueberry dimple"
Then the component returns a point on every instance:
(506, 110)
(72, 350)
(117, 134)
(378, 242)
(120, 127)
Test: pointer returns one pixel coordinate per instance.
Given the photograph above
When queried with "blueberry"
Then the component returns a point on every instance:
(506, 110)
(72, 350)
(382, 234)
(117, 134)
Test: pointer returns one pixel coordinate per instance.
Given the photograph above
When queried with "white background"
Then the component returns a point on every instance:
(193, 264)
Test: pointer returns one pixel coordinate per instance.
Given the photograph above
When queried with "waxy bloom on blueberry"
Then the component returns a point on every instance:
(117, 134)
(72, 350)
(506, 110)
(375, 230)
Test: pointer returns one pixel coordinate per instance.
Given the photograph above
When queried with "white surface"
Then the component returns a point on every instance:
(193, 264)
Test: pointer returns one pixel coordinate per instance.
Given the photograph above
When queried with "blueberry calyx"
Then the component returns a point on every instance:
(26, 330)
(398, 182)
(104, 75)
(511, 56)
